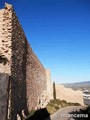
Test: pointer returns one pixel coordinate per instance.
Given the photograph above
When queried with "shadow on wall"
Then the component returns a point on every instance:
(18, 78)
(82, 114)
(40, 114)
(4, 89)
(3, 60)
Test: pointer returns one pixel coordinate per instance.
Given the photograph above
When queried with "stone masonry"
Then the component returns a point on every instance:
(68, 94)
(49, 85)
(23, 81)
(4, 79)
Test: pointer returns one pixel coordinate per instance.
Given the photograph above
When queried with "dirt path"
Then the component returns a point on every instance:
(65, 113)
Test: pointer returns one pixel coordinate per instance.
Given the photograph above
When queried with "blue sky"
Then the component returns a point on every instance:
(59, 33)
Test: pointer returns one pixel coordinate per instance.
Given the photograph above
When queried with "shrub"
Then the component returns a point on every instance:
(56, 104)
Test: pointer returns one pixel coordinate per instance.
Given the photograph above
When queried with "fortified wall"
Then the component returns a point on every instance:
(23, 83)
(74, 96)
(49, 85)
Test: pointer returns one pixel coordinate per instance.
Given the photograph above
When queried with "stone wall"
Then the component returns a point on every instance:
(12, 57)
(18, 86)
(24, 82)
(5, 41)
(35, 79)
(49, 85)
(4, 79)
(69, 95)
(5, 59)
(27, 76)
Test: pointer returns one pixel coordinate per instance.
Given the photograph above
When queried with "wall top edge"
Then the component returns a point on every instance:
(8, 5)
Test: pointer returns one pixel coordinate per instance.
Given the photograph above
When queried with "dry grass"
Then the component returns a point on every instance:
(55, 105)
(51, 108)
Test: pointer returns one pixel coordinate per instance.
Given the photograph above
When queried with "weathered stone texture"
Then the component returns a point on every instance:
(18, 68)
(29, 84)
(27, 75)
(35, 78)
(5, 58)
(4, 79)
(69, 95)
(49, 85)
(5, 40)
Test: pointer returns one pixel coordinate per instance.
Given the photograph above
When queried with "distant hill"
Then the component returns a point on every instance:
(78, 85)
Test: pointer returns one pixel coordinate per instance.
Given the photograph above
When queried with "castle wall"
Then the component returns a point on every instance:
(4, 79)
(12, 57)
(35, 79)
(28, 75)
(49, 85)
(5, 60)
(5, 41)
(18, 86)
(24, 82)
(27, 80)
(69, 95)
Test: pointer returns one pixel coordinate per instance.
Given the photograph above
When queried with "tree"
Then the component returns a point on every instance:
(54, 91)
